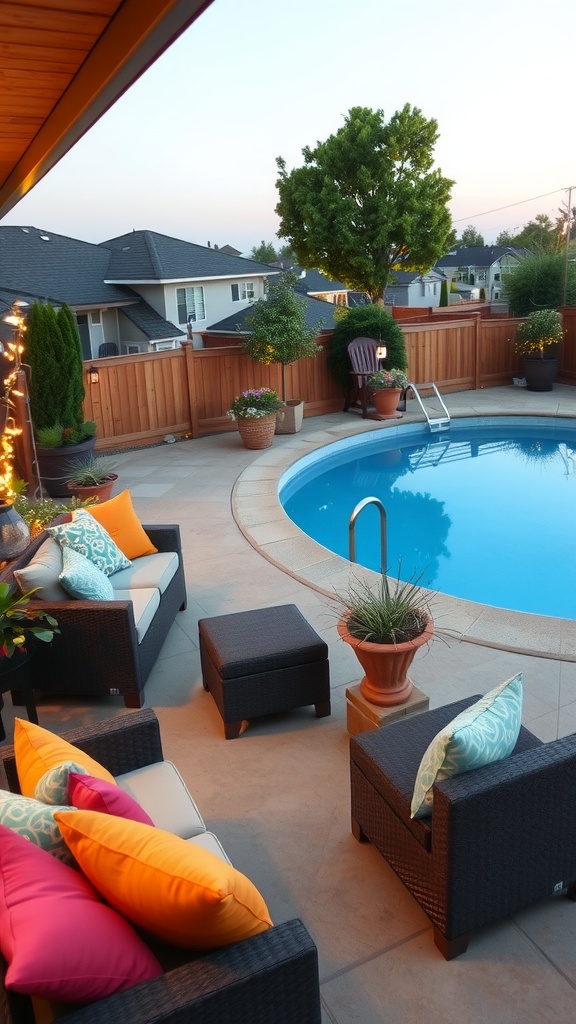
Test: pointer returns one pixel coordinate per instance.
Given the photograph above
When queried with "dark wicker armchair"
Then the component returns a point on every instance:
(97, 651)
(499, 837)
(271, 977)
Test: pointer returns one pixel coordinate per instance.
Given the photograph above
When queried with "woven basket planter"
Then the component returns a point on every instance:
(257, 432)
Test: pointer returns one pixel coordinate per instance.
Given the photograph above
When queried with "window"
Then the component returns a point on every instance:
(243, 291)
(95, 316)
(190, 302)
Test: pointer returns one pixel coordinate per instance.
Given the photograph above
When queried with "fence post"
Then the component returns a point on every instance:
(190, 384)
(477, 337)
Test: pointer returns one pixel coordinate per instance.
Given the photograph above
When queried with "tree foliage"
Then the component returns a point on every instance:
(538, 283)
(470, 236)
(263, 253)
(278, 329)
(368, 200)
(365, 322)
(54, 353)
(539, 236)
(444, 293)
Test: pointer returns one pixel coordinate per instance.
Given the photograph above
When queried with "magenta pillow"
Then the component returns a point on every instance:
(61, 942)
(87, 793)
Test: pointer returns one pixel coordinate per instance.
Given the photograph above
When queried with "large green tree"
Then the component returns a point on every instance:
(368, 200)
(470, 236)
(538, 283)
(539, 235)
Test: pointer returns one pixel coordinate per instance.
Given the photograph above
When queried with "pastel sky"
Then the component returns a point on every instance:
(190, 149)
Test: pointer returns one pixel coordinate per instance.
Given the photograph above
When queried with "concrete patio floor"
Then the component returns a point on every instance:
(278, 797)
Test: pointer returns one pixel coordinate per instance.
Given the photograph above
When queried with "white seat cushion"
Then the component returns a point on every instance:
(145, 601)
(147, 571)
(208, 841)
(161, 792)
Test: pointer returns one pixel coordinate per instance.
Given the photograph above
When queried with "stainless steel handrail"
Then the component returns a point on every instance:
(351, 525)
(435, 422)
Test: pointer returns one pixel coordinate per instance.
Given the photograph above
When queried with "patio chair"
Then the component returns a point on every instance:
(362, 353)
(499, 837)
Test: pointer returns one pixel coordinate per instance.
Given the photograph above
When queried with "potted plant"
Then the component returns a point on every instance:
(386, 387)
(54, 354)
(385, 625)
(279, 333)
(92, 478)
(255, 413)
(18, 625)
(537, 340)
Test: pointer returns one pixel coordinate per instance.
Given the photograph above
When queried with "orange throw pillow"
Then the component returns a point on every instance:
(119, 519)
(174, 889)
(36, 750)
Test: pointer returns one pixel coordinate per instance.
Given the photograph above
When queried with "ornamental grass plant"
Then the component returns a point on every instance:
(391, 612)
(254, 403)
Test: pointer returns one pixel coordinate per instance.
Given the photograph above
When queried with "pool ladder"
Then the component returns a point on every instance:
(435, 423)
(352, 524)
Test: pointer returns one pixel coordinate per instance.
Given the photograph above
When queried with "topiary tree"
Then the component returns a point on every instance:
(370, 321)
(279, 331)
(538, 283)
(444, 293)
(54, 353)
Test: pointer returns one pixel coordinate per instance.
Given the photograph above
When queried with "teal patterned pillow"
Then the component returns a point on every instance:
(481, 734)
(86, 535)
(35, 821)
(82, 579)
(52, 788)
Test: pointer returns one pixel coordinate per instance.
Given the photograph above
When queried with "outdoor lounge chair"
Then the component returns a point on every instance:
(499, 837)
(362, 353)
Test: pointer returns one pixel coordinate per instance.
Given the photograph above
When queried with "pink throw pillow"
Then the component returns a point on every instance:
(60, 940)
(87, 793)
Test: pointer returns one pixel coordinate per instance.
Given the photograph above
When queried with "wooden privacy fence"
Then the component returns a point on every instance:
(139, 399)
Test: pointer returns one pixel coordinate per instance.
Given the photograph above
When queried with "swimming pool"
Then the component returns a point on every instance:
(485, 511)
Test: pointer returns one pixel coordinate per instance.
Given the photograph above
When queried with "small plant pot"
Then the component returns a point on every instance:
(386, 681)
(385, 401)
(101, 491)
(289, 421)
(257, 431)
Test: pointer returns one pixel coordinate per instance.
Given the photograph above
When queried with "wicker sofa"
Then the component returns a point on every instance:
(98, 650)
(272, 976)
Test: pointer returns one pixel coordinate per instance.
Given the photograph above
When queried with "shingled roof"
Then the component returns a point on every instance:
(478, 255)
(141, 256)
(316, 309)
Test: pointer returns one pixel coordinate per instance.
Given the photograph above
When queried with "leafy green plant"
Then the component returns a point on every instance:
(541, 330)
(38, 514)
(368, 321)
(381, 380)
(278, 330)
(538, 283)
(57, 436)
(391, 612)
(16, 620)
(54, 352)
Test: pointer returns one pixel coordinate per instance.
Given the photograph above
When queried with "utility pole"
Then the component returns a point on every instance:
(565, 285)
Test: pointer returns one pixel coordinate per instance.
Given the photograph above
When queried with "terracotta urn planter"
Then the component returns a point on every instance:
(385, 401)
(386, 681)
(257, 431)
(101, 491)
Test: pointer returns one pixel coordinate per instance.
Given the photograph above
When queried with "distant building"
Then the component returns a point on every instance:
(481, 266)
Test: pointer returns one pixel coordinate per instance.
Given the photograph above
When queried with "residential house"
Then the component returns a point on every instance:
(408, 288)
(142, 291)
(318, 286)
(481, 266)
(316, 310)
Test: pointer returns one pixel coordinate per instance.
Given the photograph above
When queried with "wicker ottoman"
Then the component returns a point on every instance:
(261, 662)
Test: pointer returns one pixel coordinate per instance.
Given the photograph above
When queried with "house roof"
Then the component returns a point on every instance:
(478, 255)
(37, 264)
(149, 256)
(154, 326)
(63, 66)
(403, 278)
(316, 309)
(230, 250)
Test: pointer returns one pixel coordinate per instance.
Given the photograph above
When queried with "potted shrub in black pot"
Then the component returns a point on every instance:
(279, 333)
(537, 339)
(54, 354)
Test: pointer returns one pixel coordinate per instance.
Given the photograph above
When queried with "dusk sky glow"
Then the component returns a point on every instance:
(190, 149)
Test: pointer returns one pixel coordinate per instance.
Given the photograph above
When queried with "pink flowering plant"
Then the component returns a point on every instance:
(255, 403)
(382, 379)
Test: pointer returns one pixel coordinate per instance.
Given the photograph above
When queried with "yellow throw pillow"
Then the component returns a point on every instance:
(173, 889)
(36, 750)
(119, 519)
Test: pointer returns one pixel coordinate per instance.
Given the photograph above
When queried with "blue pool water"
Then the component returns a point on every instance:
(485, 511)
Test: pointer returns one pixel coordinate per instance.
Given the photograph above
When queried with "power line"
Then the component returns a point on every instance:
(510, 205)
